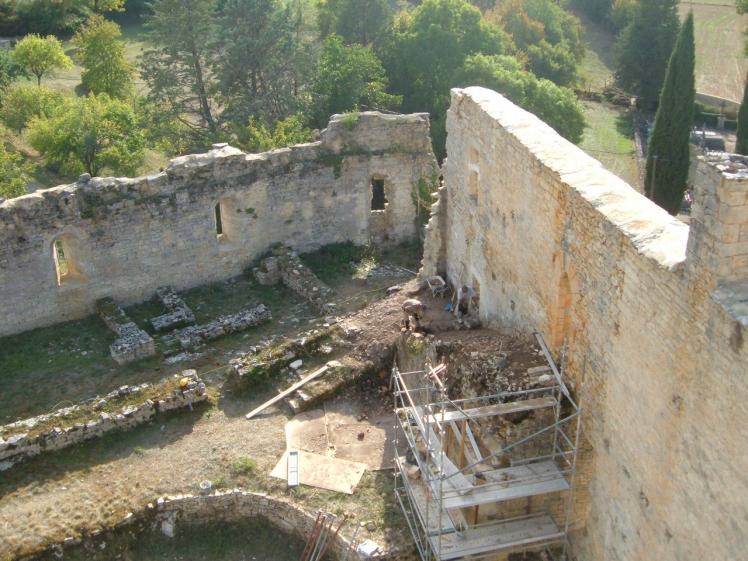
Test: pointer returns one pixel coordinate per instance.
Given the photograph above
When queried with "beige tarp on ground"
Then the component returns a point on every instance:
(323, 472)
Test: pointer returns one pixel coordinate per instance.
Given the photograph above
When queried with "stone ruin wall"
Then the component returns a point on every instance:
(124, 238)
(651, 322)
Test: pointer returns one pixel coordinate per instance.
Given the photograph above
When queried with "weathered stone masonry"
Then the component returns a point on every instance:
(650, 317)
(206, 217)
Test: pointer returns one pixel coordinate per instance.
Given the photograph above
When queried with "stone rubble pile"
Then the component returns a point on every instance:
(179, 313)
(132, 342)
(87, 420)
(286, 266)
(195, 336)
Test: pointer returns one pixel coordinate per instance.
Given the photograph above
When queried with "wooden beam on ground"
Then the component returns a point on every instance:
(316, 374)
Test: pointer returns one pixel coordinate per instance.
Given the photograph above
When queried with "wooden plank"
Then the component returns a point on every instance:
(289, 391)
(458, 439)
(497, 409)
(509, 484)
(502, 536)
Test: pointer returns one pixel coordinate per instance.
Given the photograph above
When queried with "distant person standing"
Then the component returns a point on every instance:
(463, 301)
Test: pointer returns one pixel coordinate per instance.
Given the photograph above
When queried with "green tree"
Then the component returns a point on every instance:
(102, 6)
(644, 47)
(347, 77)
(554, 62)
(256, 137)
(23, 102)
(15, 173)
(102, 55)
(90, 134)
(356, 21)
(741, 144)
(668, 152)
(9, 71)
(257, 61)
(742, 7)
(424, 49)
(175, 65)
(560, 27)
(41, 55)
(557, 106)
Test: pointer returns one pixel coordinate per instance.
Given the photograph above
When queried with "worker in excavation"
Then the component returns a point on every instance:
(463, 301)
(413, 308)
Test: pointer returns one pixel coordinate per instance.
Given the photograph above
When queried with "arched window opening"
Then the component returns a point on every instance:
(62, 267)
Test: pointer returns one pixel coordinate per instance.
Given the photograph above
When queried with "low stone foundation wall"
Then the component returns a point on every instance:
(179, 313)
(230, 506)
(286, 266)
(196, 335)
(96, 417)
(132, 343)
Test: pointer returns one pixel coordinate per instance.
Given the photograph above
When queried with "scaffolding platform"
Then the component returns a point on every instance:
(512, 535)
(450, 476)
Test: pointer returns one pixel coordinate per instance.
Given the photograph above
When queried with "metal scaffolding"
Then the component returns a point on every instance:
(462, 499)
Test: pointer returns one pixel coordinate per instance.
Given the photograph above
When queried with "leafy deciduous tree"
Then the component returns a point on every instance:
(102, 55)
(554, 62)
(91, 133)
(41, 55)
(23, 102)
(9, 70)
(668, 152)
(256, 137)
(14, 173)
(347, 77)
(644, 47)
(557, 106)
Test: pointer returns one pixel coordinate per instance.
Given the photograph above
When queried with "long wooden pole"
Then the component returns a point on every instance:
(289, 391)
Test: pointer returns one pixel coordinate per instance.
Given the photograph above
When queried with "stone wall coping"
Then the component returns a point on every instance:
(653, 232)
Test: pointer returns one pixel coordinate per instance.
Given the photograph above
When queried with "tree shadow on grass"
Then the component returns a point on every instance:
(56, 465)
(625, 124)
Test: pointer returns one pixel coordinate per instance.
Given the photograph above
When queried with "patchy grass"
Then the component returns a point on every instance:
(609, 138)
(52, 367)
(596, 68)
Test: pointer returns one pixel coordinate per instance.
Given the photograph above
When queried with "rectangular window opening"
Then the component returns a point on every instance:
(219, 221)
(378, 197)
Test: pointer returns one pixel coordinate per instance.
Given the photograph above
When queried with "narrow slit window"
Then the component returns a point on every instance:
(378, 197)
(219, 221)
(62, 267)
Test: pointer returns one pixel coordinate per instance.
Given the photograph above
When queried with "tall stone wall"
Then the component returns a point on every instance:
(123, 238)
(651, 323)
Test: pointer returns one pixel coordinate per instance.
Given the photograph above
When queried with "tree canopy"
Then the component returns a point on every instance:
(175, 65)
(90, 134)
(41, 55)
(356, 21)
(347, 77)
(668, 151)
(23, 102)
(644, 47)
(102, 55)
(15, 173)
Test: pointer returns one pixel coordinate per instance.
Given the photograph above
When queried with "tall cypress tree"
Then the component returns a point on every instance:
(741, 146)
(668, 155)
